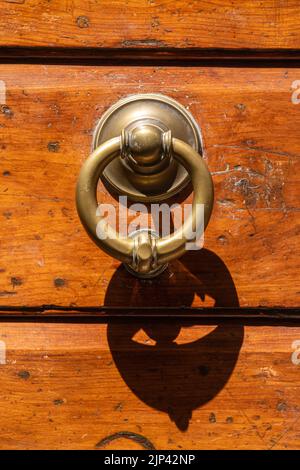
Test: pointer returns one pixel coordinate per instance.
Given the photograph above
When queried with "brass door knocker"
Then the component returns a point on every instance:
(147, 147)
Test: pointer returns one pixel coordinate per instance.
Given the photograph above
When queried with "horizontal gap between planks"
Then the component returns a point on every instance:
(131, 56)
(54, 312)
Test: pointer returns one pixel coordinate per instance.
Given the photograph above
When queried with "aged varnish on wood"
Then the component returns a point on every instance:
(144, 385)
(250, 129)
(151, 24)
(206, 356)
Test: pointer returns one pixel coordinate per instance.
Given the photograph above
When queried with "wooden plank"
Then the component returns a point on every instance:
(250, 130)
(155, 24)
(169, 385)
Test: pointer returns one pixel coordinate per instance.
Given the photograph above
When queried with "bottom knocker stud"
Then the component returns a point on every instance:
(144, 256)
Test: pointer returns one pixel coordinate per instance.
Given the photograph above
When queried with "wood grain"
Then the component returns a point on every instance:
(169, 385)
(151, 24)
(250, 132)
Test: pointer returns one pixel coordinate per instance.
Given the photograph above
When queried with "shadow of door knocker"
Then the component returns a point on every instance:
(164, 372)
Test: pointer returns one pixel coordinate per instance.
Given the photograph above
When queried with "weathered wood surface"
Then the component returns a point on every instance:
(158, 24)
(250, 130)
(166, 385)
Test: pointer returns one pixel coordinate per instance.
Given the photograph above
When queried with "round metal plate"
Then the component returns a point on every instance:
(144, 106)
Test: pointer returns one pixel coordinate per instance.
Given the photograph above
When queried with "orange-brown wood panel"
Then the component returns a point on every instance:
(166, 385)
(157, 24)
(250, 128)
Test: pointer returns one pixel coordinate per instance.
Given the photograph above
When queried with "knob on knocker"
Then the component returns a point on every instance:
(141, 162)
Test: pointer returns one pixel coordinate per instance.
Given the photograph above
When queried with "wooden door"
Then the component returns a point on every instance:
(207, 355)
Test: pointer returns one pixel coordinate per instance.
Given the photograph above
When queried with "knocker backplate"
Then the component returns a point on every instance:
(136, 108)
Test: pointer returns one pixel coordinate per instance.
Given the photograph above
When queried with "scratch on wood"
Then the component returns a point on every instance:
(14, 1)
(222, 172)
(6, 293)
(275, 441)
(143, 42)
(2, 352)
(259, 149)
